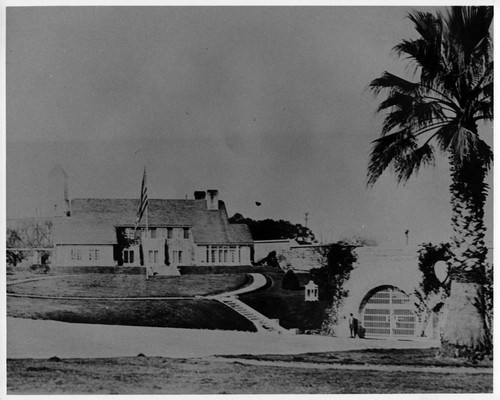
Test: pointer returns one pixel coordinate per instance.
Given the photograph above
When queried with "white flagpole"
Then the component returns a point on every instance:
(147, 222)
(147, 204)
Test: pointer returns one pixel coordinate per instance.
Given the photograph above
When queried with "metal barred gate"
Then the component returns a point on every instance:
(389, 313)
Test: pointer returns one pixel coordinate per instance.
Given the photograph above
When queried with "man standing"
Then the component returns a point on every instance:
(353, 325)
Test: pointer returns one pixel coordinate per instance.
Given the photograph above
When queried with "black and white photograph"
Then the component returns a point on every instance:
(210, 199)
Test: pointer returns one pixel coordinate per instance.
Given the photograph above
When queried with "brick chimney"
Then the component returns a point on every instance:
(200, 195)
(213, 200)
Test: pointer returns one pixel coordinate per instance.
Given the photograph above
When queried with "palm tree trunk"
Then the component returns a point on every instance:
(465, 331)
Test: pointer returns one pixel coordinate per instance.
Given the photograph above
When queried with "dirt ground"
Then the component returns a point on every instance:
(156, 375)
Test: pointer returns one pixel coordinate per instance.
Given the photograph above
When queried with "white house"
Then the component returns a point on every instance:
(190, 232)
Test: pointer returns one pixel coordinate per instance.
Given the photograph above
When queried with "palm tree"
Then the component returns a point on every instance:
(438, 113)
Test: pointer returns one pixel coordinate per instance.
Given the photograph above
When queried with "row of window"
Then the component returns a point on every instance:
(223, 254)
(92, 254)
(166, 233)
(153, 257)
(169, 233)
(214, 255)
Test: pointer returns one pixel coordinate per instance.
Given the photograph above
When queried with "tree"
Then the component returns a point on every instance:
(14, 257)
(269, 229)
(439, 112)
(338, 260)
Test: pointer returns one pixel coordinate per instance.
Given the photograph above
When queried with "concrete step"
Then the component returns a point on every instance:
(261, 322)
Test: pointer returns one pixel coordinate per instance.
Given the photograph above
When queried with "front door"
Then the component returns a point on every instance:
(389, 313)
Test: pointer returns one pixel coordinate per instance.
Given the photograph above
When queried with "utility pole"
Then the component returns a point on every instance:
(306, 217)
(406, 234)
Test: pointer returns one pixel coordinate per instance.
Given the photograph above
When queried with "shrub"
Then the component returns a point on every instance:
(40, 268)
(290, 281)
(14, 257)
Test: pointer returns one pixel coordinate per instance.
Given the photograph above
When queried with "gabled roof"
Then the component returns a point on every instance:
(79, 231)
(93, 221)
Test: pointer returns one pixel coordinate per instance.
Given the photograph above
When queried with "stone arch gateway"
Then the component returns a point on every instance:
(386, 311)
(381, 293)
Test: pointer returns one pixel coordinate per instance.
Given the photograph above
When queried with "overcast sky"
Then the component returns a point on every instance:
(264, 104)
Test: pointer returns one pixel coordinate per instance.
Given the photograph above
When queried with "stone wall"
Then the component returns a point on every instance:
(302, 258)
(264, 247)
(290, 255)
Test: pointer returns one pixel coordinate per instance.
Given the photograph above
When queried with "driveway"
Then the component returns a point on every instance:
(28, 338)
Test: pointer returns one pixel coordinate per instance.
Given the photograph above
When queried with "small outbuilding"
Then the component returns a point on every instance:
(311, 292)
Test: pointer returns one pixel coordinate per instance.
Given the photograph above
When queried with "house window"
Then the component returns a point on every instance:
(93, 254)
(177, 256)
(186, 233)
(153, 234)
(76, 255)
(128, 256)
(153, 256)
(169, 233)
(223, 254)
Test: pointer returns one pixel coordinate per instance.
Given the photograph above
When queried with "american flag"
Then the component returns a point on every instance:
(143, 205)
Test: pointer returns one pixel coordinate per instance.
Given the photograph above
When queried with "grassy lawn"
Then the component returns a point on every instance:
(155, 375)
(192, 314)
(287, 305)
(25, 273)
(415, 357)
(122, 285)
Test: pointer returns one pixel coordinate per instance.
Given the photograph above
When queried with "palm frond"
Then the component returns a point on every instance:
(463, 144)
(409, 164)
(468, 30)
(410, 111)
(484, 110)
(482, 81)
(386, 149)
(427, 112)
(393, 82)
(426, 24)
(419, 52)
